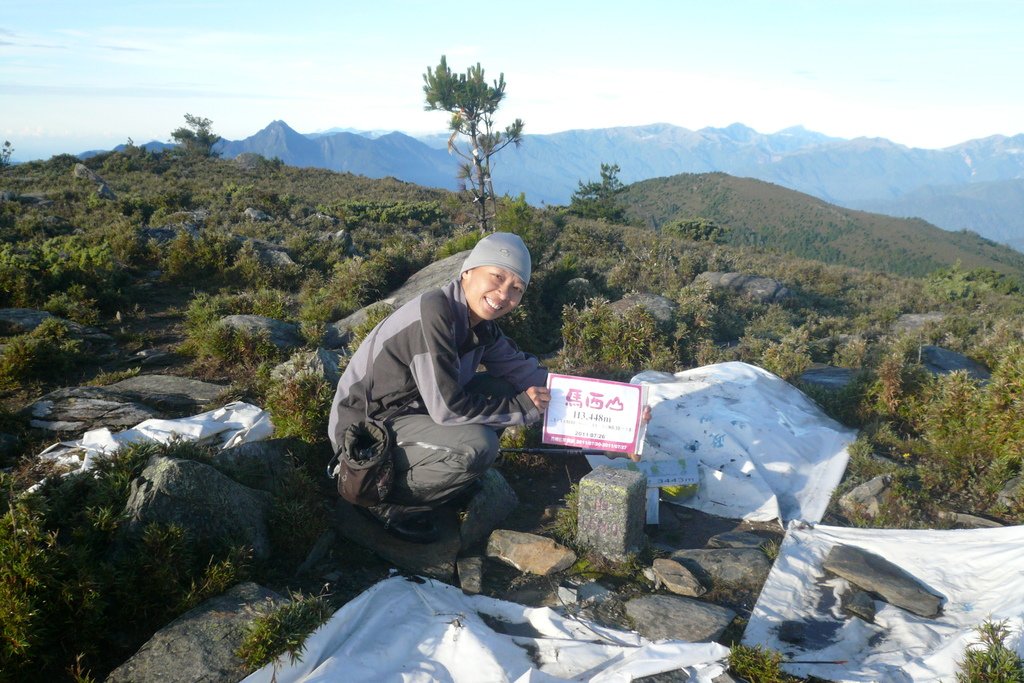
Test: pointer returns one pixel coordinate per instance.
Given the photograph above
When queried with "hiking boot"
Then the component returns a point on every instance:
(418, 528)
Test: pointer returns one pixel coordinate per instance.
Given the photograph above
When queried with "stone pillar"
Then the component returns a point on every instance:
(612, 512)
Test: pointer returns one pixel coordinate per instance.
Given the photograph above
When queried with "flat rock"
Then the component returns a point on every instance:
(940, 361)
(168, 393)
(661, 617)
(733, 567)
(23, 320)
(436, 560)
(859, 604)
(80, 409)
(828, 377)
(737, 539)
(200, 645)
(914, 322)
(875, 574)
(529, 552)
(471, 574)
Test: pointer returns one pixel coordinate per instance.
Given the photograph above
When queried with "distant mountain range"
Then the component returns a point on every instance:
(977, 185)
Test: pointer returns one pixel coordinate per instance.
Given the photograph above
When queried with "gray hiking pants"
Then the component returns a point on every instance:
(434, 463)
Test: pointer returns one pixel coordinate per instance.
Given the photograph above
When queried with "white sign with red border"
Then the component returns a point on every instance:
(595, 413)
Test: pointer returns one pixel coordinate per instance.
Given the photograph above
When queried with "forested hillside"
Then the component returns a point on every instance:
(766, 216)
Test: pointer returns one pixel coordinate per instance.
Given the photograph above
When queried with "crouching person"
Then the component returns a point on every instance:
(418, 373)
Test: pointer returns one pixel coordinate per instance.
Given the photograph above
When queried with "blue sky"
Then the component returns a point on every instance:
(78, 75)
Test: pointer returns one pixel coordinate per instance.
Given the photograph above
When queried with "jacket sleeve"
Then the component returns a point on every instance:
(436, 373)
(522, 370)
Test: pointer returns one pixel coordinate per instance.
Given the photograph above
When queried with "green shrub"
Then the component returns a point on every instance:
(191, 260)
(990, 660)
(275, 632)
(297, 516)
(758, 665)
(299, 406)
(47, 352)
(600, 342)
(73, 304)
(77, 594)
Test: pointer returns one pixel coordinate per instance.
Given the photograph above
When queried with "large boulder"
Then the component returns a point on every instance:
(284, 336)
(437, 274)
(210, 506)
(200, 645)
(661, 308)
(756, 287)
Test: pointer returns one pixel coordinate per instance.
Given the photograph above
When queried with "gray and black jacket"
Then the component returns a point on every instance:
(423, 355)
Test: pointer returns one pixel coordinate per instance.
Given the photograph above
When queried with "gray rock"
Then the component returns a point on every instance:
(677, 578)
(257, 215)
(488, 508)
(661, 308)
(103, 191)
(867, 499)
(284, 336)
(915, 322)
(529, 552)
(24, 320)
(207, 504)
(436, 560)
(259, 465)
(471, 574)
(660, 617)
(612, 512)
(270, 254)
(318, 552)
(875, 574)
(828, 377)
(169, 393)
(763, 289)
(9, 444)
(321, 362)
(83, 172)
(961, 520)
(80, 409)
(1011, 492)
(940, 361)
(156, 357)
(200, 645)
(439, 273)
(733, 567)
(859, 604)
(737, 539)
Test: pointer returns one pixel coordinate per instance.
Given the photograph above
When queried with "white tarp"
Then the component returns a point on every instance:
(416, 630)
(233, 424)
(980, 573)
(764, 450)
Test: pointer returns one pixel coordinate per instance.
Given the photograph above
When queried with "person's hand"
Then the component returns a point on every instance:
(541, 397)
(645, 416)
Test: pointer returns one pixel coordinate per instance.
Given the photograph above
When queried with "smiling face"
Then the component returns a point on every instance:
(491, 292)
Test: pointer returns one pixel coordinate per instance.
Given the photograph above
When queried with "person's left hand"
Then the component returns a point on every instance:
(646, 417)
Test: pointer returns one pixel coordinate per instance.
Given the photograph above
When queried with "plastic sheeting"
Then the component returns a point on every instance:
(422, 630)
(980, 573)
(230, 425)
(764, 449)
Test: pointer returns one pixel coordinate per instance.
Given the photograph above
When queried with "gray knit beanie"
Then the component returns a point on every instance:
(502, 249)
